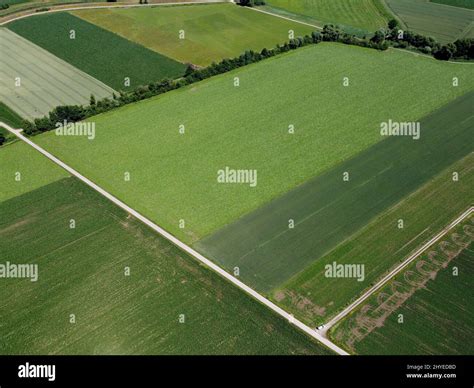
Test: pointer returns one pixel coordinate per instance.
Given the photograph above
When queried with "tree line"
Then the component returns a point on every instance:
(381, 40)
(460, 49)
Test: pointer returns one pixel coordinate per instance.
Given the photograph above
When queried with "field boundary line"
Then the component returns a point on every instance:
(464, 32)
(284, 17)
(208, 263)
(114, 5)
(396, 270)
(394, 15)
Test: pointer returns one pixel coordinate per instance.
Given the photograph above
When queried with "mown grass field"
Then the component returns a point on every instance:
(45, 80)
(446, 24)
(381, 245)
(98, 52)
(369, 15)
(81, 272)
(9, 117)
(469, 4)
(173, 177)
(35, 170)
(327, 210)
(212, 32)
(438, 317)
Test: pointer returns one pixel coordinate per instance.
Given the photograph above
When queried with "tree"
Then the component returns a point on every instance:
(92, 100)
(43, 124)
(250, 3)
(68, 113)
(445, 53)
(463, 46)
(190, 69)
(28, 127)
(392, 24)
(2, 139)
(316, 37)
(330, 33)
(378, 37)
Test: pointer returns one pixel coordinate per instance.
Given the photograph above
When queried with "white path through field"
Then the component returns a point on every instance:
(300, 325)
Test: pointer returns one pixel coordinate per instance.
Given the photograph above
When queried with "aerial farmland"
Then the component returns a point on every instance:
(237, 178)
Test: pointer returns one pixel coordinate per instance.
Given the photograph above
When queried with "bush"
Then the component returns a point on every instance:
(393, 24)
(402, 44)
(250, 3)
(426, 50)
(464, 48)
(317, 37)
(444, 53)
(378, 37)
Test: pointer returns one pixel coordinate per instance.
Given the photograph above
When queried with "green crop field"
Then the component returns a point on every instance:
(446, 24)
(9, 117)
(16, 6)
(211, 32)
(167, 305)
(469, 4)
(22, 171)
(246, 127)
(44, 81)
(426, 309)
(98, 52)
(327, 209)
(11, 2)
(380, 246)
(369, 15)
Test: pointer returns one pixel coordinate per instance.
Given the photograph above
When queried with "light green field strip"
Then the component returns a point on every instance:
(34, 170)
(81, 271)
(381, 246)
(45, 80)
(327, 210)
(173, 176)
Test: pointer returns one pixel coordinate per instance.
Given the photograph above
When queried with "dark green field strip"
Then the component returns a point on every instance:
(380, 246)
(98, 52)
(81, 272)
(9, 117)
(327, 210)
(437, 318)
